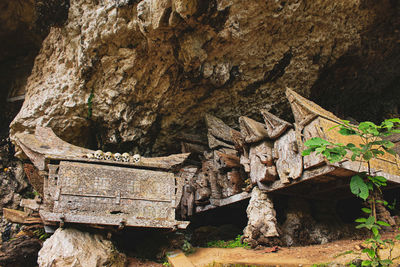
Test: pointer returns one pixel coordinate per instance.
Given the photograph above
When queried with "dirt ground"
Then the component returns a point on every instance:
(293, 256)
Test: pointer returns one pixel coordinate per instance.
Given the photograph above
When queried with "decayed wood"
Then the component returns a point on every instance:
(290, 162)
(251, 130)
(15, 216)
(275, 126)
(186, 175)
(218, 128)
(313, 130)
(260, 157)
(35, 179)
(30, 204)
(225, 185)
(45, 145)
(21, 217)
(187, 202)
(228, 161)
(238, 142)
(209, 171)
(216, 143)
(245, 162)
(192, 148)
(192, 138)
(203, 191)
(236, 181)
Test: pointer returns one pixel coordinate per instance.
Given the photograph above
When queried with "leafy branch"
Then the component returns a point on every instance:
(364, 185)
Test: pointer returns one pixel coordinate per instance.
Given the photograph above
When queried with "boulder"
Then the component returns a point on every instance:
(71, 247)
(262, 228)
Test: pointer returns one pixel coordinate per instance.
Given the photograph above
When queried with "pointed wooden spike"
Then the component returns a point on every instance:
(305, 111)
(251, 130)
(274, 125)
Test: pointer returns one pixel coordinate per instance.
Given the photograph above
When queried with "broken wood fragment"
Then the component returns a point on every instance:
(275, 126)
(15, 216)
(228, 161)
(251, 130)
(34, 177)
(236, 181)
(245, 162)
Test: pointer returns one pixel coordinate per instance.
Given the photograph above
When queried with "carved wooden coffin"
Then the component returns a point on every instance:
(76, 192)
(77, 189)
(314, 121)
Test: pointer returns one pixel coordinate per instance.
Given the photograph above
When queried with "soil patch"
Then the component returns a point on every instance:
(291, 256)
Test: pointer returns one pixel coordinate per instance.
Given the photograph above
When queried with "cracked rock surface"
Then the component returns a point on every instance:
(136, 74)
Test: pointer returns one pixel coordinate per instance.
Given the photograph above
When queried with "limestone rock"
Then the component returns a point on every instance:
(262, 228)
(71, 247)
(153, 68)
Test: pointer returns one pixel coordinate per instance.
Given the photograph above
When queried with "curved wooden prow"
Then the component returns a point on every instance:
(305, 111)
(45, 145)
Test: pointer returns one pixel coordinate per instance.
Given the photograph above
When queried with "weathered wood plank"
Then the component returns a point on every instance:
(290, 162)
(218, 128)
(261, 169)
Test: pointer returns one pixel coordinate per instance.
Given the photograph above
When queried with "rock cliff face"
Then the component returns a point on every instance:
(135, 74)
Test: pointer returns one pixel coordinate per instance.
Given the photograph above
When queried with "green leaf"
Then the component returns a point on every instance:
(367, 155)
(363, 225)
(366, 263)
(366, 210)
(383, 223)
(350, 145)
(347, 131)
(375, 231)
(361, 220)
(358, 187)
(394, 120)
(307, 152)
(386, 262)
(371, 252)
(370, 220)
(316, 142)
(368, 127)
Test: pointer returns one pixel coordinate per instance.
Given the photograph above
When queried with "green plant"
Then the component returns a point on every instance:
(365, 185)
(41, 234)
(187, 248)
(90, 104)
(236, 243)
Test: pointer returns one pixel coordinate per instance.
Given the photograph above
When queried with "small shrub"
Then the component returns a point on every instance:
(236, 243)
